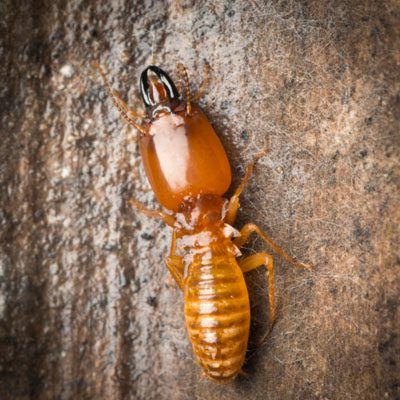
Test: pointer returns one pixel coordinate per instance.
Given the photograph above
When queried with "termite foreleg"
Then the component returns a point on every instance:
(248, 229)
(257, 260)
(168, 219)
(234, 204)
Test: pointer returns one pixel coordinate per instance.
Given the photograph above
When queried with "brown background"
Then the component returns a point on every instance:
(86, 310)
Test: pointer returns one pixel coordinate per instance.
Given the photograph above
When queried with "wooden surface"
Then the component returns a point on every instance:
(86, 309)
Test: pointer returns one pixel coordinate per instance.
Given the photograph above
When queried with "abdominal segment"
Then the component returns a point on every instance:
(218, 316)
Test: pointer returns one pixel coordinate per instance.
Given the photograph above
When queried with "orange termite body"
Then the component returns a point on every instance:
(189, 172)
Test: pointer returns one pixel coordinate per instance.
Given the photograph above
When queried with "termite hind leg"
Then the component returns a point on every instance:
(174, 263)
(182, 72)
(248, 229)
(234, 204)
(257, 260)
(117, 100)
(175, 267)
(204, 83)
(168, 219)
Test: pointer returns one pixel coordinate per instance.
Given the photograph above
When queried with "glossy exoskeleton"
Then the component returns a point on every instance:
(189, 172)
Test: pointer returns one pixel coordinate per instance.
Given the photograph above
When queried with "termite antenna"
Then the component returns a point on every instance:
(153, 57)
(114, 98)
(183, 73)
(204, 84)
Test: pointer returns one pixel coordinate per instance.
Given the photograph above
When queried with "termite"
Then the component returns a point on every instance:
(189, 172)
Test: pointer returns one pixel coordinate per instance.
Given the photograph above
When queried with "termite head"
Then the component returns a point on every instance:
(158, 90)
(202, 212)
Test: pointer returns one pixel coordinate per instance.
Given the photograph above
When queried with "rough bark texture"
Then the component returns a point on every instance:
(86, 310)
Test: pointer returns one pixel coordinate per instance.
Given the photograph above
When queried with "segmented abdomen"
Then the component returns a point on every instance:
(217, 316)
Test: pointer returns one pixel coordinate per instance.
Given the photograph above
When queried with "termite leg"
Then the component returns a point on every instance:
(116, 100)
(168, 219)
(257, 260)
(174, 263)
(248, 229)
(234, 204)
(182, 72)
(204, 84)
(175, 267)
